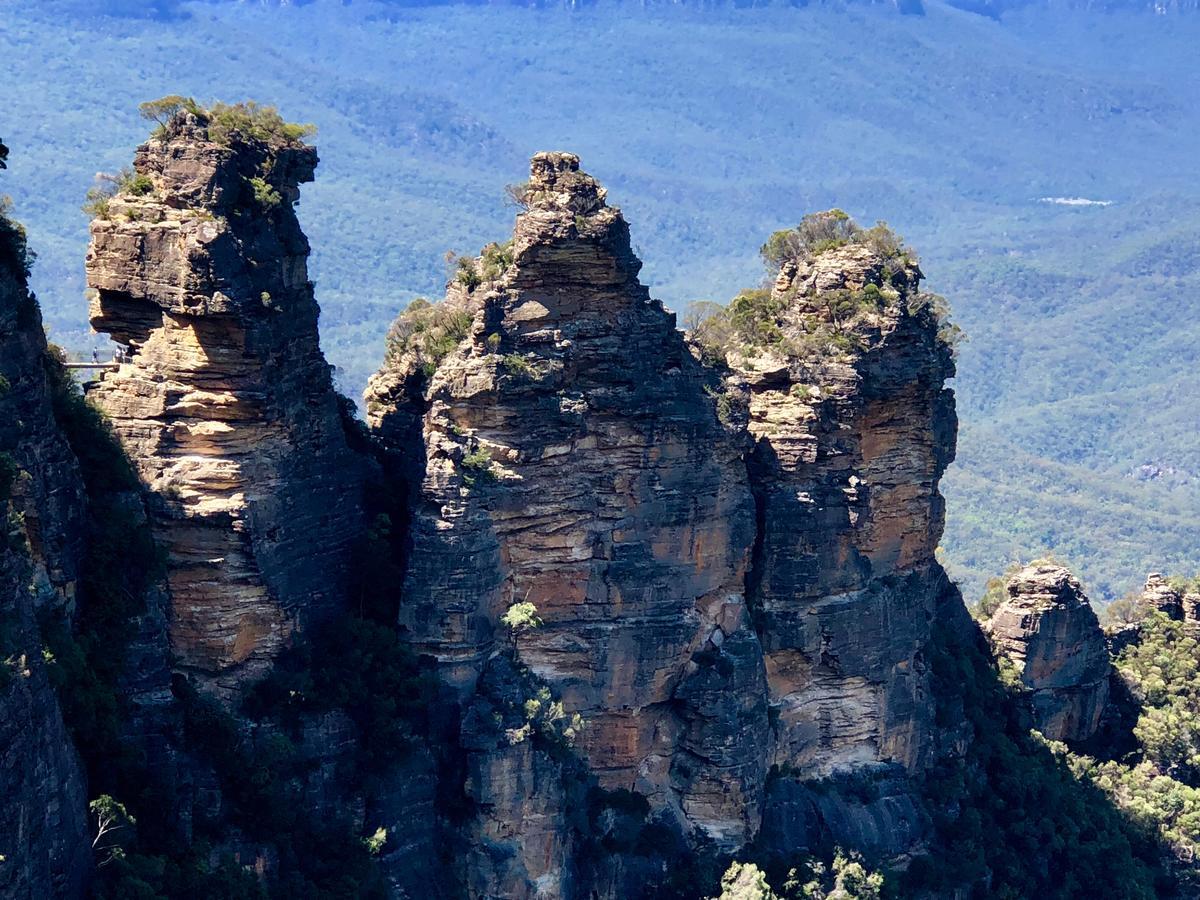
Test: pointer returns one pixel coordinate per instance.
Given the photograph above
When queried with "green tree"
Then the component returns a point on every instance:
(164, 109)
(995, 593)
(113, 824)
(520, 618)
(745, 881)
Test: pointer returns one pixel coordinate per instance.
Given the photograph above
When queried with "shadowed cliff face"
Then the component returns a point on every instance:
(566, 454)
(224, 401)
(44, 848)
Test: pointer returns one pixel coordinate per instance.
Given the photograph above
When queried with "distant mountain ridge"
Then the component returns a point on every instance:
(996, 9)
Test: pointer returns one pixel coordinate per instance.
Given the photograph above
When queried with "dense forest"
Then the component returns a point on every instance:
(978, 140)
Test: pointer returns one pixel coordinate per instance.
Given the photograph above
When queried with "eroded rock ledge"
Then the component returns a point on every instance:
(224, 401)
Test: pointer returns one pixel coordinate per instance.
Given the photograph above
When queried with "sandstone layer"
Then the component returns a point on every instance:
(1048, 631)
(222, 398)
(566, 454)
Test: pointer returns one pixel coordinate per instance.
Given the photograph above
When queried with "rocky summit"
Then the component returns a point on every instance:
(731, 573)
(222, 399)
(591, 606)
(565, 454)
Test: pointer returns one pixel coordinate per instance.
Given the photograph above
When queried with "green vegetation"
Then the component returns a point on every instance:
(264, 194)
(248, 120)
(1163, 670)
(255, 121)
(1013, 811)
(846, 878)
(428, 332)
(361, 668)
(823, 322)
(1079, 369)
(516, 364)
(520, 618)
(164, 109)
(477, 465)
(110, 185)
(995, 593)
(14, 251)
(822, 231)
(495, 259)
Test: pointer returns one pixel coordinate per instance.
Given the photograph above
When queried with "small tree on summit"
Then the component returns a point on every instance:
(163, 110)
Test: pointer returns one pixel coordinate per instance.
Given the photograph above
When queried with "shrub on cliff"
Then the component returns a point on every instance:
(1163, 671)
(427, 332)
(1011, 813)
(827, 230)
(113, 184)
(164, 109)
(829, 321)
(14, 251)
(253, 120)
(248, 119)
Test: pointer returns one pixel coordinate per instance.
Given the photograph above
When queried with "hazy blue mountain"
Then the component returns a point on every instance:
(714, 126)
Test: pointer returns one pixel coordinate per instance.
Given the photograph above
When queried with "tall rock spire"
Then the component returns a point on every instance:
(565, 453)
(222, 398)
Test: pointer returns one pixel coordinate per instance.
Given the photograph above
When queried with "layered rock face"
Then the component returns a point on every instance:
(1047, 629)
(566, 454)
(852, 430)
(223, 400)
(1159, 595)
(44, 844)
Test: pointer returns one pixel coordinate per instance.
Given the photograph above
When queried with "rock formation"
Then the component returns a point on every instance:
(566, 454)
(1172, 600)
(44, 844)
(565, 450)
(222, 398)
(1048, 631)
(852, 430)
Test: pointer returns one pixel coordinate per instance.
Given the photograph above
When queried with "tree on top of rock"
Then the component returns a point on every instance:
(226, 122)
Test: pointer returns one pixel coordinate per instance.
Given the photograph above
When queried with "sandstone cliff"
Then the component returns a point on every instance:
(1048, 631)
(223, 399)
(1175, 602)
(565, 453)
(852, 429)
(44, 844)
(564, 449)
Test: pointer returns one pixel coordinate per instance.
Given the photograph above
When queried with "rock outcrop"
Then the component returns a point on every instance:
(565, 453)
(1047, 630)
(222, 398)
(1172, 600)
(44, 844)
(852, 430)
(565, 450)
